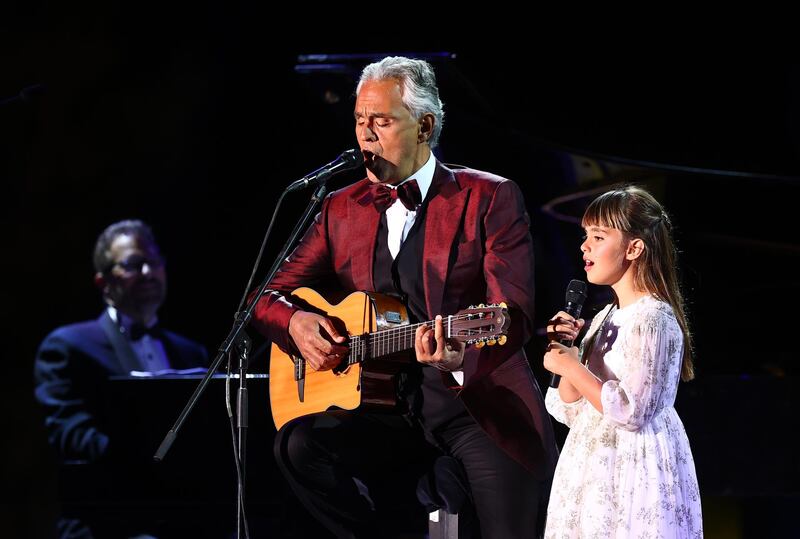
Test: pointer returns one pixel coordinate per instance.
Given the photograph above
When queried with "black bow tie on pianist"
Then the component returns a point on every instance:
(137, 331)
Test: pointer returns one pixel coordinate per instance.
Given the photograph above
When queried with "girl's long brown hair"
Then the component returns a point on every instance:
(637, 214)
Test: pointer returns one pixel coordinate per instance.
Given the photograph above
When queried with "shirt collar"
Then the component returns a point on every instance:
(424, 176)
(125, 321)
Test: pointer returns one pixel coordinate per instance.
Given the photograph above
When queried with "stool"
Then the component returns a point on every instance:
(444, 492)
(442, 525)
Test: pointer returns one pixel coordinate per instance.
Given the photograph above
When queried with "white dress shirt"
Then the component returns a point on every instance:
(399, 219)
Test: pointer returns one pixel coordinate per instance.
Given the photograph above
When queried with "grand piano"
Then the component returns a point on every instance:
(192, 492)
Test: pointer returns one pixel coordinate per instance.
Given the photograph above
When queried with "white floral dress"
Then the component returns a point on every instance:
(629, 471)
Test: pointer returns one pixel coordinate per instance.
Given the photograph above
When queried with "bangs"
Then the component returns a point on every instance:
(607, 211)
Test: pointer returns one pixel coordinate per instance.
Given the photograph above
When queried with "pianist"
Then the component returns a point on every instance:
(74, 360)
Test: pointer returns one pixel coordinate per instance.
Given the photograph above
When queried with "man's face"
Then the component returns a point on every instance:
(389, 136)
(136, 284)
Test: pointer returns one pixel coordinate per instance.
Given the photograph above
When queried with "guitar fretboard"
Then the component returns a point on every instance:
(393, 340)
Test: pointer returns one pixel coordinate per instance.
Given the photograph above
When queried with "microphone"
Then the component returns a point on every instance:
(575, 296)
(348, 160)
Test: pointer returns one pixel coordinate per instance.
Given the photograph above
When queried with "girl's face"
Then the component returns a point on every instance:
(606, 255)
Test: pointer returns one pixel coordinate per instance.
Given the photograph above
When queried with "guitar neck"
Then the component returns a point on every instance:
(385, 342)
(474, 326)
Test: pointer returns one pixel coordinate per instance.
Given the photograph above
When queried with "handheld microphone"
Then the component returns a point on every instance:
(348, 160)
(575, 296)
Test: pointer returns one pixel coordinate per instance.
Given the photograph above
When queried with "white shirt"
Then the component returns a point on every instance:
(399, 219)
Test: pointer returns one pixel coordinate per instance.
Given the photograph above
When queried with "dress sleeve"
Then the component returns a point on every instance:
(649, 347)
(563, 412)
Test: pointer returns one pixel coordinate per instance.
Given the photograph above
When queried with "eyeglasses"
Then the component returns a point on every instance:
(135, 264)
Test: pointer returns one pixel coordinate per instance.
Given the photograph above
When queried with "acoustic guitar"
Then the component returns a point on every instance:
(380, 339)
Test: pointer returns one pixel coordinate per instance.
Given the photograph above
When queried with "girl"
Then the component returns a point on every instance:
(626, 469)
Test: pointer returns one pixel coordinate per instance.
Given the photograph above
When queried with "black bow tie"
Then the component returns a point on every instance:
(137, 331)
(408, 193)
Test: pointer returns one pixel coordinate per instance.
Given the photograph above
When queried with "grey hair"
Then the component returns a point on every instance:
(419, 93)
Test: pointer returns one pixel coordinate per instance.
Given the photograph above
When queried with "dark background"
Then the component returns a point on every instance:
(195, 120)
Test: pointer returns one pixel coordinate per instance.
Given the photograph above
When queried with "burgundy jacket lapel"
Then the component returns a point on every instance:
(444, 218)
(362, 236)
(445, 212)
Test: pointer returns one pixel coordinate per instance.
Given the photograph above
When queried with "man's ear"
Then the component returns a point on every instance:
(635, 249)
(425, 131)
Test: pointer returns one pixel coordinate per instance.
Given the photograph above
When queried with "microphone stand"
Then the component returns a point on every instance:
(243, 346)
(237, 331)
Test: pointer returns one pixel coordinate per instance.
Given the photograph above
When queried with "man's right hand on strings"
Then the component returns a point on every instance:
(317, 340)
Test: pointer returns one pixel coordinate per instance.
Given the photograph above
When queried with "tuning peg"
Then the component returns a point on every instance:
(480, 344)
(502, 340)
(491, 342)
(481, 305)
(503, 305)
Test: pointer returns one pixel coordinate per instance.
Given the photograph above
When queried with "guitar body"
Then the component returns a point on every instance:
(296, 390)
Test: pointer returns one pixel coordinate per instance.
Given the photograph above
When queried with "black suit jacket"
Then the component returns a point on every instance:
(72, 363)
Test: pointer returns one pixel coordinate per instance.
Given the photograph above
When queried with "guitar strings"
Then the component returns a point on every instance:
(382, 341)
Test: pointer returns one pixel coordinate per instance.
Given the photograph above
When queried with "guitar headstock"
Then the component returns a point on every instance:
(480, 325)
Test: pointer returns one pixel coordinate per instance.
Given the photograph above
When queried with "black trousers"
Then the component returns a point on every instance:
(357, 473)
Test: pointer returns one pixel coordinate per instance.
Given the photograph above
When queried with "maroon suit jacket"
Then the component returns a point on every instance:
(477, 249)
